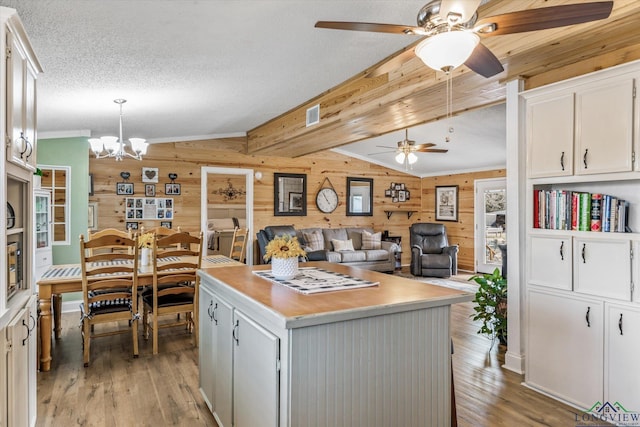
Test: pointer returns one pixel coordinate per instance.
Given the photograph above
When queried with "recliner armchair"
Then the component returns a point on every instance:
(431, 254)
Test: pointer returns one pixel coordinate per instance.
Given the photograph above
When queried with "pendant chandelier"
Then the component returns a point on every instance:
(112, 146)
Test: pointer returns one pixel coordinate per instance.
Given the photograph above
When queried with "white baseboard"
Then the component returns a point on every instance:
(514, 362)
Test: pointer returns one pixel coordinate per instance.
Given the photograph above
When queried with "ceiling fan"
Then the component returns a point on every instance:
(453, 31)
(407, 148)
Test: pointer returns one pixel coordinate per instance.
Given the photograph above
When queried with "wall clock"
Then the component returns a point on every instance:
(327, 198)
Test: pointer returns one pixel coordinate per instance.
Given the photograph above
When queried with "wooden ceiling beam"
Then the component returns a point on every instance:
(364, 107)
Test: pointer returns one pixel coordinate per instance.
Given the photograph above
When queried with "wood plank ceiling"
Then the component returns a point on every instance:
(364, 106)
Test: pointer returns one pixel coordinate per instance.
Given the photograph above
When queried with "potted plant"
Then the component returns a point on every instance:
(37, 178)
(491, 305)
(284, 252)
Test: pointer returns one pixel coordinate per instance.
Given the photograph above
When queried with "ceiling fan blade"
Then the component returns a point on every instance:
(369, 26)
(381, 152)
(484, 62)
(433, 150)
(386, 146)
(425, 145)
(465, 8)
(545, 17)
(395, 63)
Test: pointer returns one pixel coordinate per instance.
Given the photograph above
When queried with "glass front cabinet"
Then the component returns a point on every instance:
(43, 255)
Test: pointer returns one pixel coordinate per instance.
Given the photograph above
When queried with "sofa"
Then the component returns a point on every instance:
(354, 246)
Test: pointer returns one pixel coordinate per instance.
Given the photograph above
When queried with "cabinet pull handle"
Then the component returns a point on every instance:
(584, 259)
(620, 324)
(30, 145)
(34, 323)
(24, 341)
(234, 333)
(209, 313)
(587, 317)
(562, 160)
(213, 316)
(24, 144)
(584, 158)
(562, 251)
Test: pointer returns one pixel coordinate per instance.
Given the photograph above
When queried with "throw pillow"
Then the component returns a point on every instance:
(342, 245)
(371, 240)
(315, 241)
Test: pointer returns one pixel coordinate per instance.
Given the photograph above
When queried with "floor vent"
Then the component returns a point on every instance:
(313, 115)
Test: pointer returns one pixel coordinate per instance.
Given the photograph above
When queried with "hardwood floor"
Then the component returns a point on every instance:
(162, 390)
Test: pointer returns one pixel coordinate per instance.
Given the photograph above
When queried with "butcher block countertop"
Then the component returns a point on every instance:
(292, 309)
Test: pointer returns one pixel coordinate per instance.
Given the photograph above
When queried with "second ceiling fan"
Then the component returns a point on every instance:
(453, 31)
(406, 149)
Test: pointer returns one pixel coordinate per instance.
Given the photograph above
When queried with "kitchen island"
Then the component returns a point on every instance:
(374, 356)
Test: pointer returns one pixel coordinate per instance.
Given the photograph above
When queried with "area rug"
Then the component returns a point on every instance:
(455, 283)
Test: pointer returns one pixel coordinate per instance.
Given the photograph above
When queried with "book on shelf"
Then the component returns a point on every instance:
(579, 211)
(596, 209)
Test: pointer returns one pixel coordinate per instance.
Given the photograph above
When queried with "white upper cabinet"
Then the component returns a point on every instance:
(550, 136)
(604, 128)
(551, 261)
(22, 71)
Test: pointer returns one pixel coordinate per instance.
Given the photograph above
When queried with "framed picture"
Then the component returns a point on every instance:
(131, 225)
(172, 189)
(165, 224)
(150, 175)
(93, 216)
(150, 190)
(125, 188)
(387, 192)
(447, 203)
(402, 196)
(91, 184)
(295, 202)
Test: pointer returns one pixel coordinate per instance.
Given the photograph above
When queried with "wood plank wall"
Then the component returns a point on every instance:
(462, 231)
(187, 158)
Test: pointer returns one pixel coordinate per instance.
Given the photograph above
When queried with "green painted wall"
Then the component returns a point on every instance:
(73, 152)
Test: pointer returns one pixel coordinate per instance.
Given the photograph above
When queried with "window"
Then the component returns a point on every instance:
(56, 180)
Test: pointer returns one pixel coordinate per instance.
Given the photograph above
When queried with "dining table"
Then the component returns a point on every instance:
(67, 278)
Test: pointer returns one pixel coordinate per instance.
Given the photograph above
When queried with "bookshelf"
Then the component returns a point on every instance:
(580, 140)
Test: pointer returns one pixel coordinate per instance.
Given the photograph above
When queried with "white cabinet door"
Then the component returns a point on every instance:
(604, 128)
(223, 362)
(565, 343)
(255, 368)
(205, 345)
(16, 69)
(550, 262)
(18, 333)
(550, 136)
(29, 120)
(622, 347)
(602, 268)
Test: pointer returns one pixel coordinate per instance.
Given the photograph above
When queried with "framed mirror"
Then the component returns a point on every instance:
(359, 196)
(289, 194)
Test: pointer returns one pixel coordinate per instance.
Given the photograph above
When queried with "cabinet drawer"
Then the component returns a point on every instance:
(550, 262)
(602, 268)
(43, 258)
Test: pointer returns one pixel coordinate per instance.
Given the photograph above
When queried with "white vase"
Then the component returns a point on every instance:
(145, 256)
(284, 268)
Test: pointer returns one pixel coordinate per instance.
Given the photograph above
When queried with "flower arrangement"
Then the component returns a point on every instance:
(145, 240)
(284, 246)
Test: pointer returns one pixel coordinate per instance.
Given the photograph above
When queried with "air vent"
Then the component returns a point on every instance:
(313, 115)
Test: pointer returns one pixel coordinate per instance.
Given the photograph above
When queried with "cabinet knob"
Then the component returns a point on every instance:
(620, 324)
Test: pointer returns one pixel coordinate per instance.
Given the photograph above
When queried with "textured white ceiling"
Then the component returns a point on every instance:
(194, 68)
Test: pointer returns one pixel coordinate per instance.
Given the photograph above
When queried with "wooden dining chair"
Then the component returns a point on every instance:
(239, 244)
(175, 284)
(109, 280)
(118, 246)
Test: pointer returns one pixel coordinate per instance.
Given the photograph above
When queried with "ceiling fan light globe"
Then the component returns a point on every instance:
(400, 158)
(448, 50)
(412, 158)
